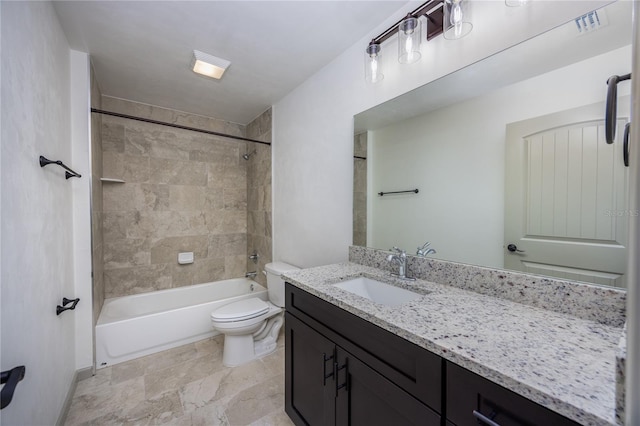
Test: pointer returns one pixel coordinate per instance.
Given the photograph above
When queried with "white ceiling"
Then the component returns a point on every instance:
(142, 50)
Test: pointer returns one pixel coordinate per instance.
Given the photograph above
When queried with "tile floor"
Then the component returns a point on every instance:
(187, 385)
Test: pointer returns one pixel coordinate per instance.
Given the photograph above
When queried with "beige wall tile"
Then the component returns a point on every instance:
(134, 197)
(221, 245)
(178, 172)
(125, 253)
(187, 198)
(130, 168)
(165, 250)
(184, 191)
(141, 279)
(235, 266)
(112, 137)
(209, 270)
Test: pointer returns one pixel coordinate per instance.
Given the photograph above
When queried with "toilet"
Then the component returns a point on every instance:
(251, 326)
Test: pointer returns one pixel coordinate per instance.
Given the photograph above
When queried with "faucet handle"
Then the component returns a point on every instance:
(427, 244)
(397, 250)
(423, 251)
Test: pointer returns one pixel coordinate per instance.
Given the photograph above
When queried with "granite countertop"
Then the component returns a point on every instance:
(562, 362)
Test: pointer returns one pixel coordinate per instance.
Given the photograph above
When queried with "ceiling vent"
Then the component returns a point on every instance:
(591, 22)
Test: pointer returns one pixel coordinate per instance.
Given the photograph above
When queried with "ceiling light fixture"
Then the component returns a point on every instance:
(457, 22)
(208, 65)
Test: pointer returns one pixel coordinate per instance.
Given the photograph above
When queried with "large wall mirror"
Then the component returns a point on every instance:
(507, 151)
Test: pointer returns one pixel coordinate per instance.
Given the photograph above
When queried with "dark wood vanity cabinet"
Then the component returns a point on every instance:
(343, 370)
(472, 400)
(331, 379)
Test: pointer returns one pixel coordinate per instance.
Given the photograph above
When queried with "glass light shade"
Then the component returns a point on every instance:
(516, 3)
(409, 40)
(372, 65)
(457, 19)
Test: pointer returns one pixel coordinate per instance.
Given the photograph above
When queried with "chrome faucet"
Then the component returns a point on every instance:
(400, 259)
(424, 251)
(251, 274)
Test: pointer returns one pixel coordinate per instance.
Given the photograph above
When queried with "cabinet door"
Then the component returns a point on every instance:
(472, 400)
(365, 397)
(309, 382)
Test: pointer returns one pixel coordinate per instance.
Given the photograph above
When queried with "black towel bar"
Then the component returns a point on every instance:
(415, 191)
(68, 174)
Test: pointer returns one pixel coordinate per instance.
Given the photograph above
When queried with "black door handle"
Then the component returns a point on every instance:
(10, 378)
(513, 249)
(611, 110)
(625, 144)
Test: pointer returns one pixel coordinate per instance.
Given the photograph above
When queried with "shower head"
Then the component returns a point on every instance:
(248, 155)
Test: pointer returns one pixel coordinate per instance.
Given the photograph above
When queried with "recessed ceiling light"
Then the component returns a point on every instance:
(209, 65)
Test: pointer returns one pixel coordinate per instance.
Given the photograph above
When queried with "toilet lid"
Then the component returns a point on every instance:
(240, 310)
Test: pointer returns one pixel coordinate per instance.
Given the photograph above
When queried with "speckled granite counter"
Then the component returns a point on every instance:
(560, 361)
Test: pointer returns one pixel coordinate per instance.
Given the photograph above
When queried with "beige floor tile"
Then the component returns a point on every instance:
(185, 386)
(256, 402)
(277, 418)
(176, 376)
(90, 406)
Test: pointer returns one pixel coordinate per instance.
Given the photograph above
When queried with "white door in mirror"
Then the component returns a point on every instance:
(566, 211)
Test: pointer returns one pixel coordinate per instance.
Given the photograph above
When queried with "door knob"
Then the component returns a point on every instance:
(513, 249)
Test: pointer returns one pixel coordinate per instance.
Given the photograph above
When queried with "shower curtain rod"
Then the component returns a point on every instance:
(176, 126)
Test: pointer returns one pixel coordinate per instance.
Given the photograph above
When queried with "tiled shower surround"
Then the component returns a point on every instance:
(184, 192)
(360, 190)
(259, 194)
(97, 240)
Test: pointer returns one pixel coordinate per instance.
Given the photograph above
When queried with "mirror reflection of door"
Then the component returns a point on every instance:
(566, 209)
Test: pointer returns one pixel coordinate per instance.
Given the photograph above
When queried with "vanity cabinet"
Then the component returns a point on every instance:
(331, 379)
(343, 370)
(474, 400)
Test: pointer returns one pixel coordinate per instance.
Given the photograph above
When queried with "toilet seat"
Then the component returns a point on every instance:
(240, 310)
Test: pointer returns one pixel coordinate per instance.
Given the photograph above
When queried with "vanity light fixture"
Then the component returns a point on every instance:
(457, 22)
(409, 37)
(409, 40)
(208, 65)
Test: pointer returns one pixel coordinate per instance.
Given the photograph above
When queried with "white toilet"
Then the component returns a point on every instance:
(251, 326)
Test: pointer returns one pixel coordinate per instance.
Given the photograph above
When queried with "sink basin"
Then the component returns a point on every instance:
(379, 292)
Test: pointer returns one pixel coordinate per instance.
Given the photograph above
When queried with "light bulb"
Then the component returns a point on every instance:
(374, 69)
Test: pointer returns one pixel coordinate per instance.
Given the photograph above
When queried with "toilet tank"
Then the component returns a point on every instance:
(275, 283)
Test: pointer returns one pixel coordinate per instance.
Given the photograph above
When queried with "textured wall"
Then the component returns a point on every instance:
(37, 228)
(259, 194)
(184, 191)
(360, 190)
(96, 200)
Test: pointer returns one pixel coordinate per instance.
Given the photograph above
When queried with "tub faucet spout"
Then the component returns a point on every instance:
(251, 274)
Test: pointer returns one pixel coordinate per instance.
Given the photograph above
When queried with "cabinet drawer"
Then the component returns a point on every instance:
(412, 368)
(467, 392)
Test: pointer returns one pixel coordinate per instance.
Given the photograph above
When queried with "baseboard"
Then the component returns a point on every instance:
(79, 375)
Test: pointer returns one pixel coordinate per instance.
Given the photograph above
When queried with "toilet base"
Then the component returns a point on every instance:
(241, 349)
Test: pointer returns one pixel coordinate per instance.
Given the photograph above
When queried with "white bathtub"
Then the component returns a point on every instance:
(133, 326)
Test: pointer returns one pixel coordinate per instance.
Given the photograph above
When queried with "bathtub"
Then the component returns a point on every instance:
(133, 326)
